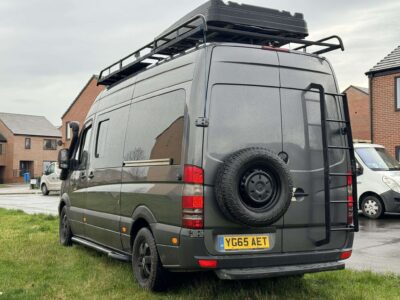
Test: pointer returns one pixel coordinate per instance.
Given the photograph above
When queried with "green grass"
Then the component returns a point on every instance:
(33, 265)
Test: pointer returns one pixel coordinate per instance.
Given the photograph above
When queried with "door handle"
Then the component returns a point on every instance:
(91, 175)
(299, 192)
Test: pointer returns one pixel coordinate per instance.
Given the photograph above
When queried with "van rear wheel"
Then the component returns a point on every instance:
(372, 207)
(254, 187)
(146, 263)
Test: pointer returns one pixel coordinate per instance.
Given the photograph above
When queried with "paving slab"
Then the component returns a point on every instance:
(31, 204)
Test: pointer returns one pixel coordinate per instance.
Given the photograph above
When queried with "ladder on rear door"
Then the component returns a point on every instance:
(327, 172)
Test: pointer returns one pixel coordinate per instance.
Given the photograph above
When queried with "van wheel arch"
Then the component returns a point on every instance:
(142, 217)
(366, 194)
(61, 206)
(136, 226)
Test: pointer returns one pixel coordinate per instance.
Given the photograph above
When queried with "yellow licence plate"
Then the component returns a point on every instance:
(245, 242)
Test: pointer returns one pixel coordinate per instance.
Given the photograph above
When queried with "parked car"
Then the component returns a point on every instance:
(50, 180)
(378, 180)
(231, 157)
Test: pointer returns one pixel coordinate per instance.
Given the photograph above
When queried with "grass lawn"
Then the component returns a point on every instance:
(34, 265)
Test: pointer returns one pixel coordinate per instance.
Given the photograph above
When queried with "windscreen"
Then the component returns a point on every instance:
(378, 159)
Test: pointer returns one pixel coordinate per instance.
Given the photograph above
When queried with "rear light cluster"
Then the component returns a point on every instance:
(345, 254)
(350, 204)
(193, 197)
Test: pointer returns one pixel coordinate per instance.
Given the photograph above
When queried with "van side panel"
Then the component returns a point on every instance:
(104, 175)
(155, 132)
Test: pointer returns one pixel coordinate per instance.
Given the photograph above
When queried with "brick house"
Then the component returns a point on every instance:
(384, 83)
(360, 113)
(79, 108)
(27, 144)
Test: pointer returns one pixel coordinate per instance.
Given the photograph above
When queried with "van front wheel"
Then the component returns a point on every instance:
(372, 207)
(146, 263)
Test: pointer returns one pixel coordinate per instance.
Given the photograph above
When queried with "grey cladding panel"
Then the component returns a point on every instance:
(168, 74)
(298, 71)
(116, 97)
(239, 65)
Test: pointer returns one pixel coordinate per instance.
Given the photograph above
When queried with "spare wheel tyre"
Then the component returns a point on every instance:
(254, 187)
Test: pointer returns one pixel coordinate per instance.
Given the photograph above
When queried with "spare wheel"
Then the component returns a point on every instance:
(254, 187)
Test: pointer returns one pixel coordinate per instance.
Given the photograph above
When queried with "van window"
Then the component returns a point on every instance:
(101, 138)
(83, 155)
(155, 128)
(109, 142)
(378, 159)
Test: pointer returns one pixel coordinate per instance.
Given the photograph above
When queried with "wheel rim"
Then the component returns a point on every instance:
(44, 189)
(371, 207)
(258, 188)
(144, 260)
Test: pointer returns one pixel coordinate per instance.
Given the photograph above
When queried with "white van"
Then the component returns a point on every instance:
(50, 181)
(378, 180)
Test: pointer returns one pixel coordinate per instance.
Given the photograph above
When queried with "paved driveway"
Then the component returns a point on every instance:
(31, 204)
(376, 246)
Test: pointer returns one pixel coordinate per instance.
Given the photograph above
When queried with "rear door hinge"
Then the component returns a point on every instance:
(202, 122)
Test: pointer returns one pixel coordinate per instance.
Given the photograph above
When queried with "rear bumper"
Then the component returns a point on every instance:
(253, 273)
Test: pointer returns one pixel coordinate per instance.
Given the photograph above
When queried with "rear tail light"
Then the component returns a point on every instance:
(193, 198)
(350, 204)
(208, 263)
(345, 254)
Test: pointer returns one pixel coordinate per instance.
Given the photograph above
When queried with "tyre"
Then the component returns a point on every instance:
(44, 189)
(65, 229)
(146, 263)
(372, 207)
(254, 187)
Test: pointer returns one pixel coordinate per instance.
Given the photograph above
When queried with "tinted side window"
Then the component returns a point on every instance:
(83, 155)
(110, 136)
(101, 140)
(155, 128)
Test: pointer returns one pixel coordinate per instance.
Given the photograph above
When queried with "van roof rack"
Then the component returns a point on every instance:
(216, 21)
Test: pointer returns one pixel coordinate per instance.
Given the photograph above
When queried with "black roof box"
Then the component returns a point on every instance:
(240, 16)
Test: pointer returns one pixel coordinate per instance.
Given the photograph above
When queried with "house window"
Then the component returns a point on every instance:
(397, 153)
(67, 131)
(27, 143)
(397, 92)
(49, 144)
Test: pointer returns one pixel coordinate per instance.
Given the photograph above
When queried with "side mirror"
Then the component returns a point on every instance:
(359, 169)
(63, 159)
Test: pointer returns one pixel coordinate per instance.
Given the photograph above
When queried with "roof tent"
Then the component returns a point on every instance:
(216, 21)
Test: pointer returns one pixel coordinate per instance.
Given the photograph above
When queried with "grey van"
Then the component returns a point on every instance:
(217, 149)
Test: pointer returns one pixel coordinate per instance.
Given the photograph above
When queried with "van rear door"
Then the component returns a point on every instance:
(244, 111)
(304, 222)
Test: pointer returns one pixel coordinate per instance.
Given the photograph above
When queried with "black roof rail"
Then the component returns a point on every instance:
(209, 27)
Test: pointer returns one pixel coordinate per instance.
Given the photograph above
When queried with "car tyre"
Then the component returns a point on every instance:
(65, 229)
(44, 189)
(372, 207)
(146, 263)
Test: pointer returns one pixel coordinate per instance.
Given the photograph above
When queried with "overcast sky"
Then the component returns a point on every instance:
(50, 48)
